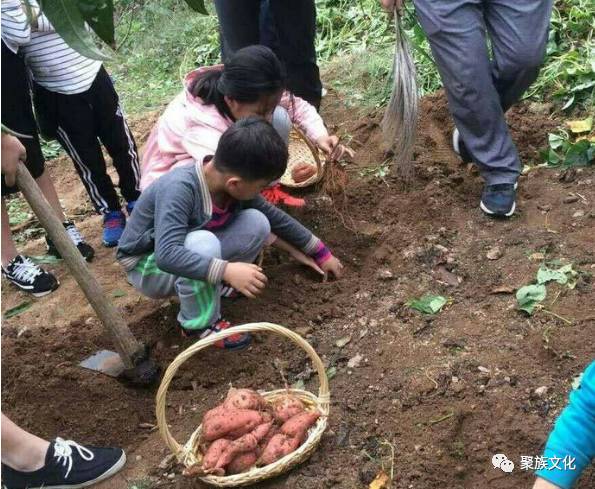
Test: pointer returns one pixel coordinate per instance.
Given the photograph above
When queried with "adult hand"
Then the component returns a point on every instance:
(335, 151)
(334, 266)
(543, 484)
(246, 278)
(13, 153)
(391, 5)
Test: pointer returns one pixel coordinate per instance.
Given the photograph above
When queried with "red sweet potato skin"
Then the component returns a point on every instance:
(241, 463)
(278, 446)
(303, 171)
(213, 453)
(246, 443)
(244, 399)
(221, 423)
(286, 407)
(298, 425)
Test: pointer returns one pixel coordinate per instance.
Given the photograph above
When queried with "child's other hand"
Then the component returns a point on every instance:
(246, 278)
(543, 484)
(334, 266)
(335, 151)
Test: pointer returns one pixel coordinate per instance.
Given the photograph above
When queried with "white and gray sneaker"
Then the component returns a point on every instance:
(68, 465)
(29, 277)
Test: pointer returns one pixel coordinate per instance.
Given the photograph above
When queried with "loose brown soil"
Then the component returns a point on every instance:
(418, 389)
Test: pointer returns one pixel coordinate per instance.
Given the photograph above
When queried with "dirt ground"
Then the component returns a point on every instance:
(445, 392)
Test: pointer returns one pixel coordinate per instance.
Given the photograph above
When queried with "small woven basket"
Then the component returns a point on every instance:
(189, 455)
(301, 150)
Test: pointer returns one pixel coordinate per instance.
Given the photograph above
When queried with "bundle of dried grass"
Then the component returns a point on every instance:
(400, 118)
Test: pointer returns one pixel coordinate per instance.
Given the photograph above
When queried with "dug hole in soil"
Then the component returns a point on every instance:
(444, 392)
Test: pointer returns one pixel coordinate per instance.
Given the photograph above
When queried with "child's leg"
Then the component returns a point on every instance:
(199, 300)
(115, 134)
(282, 123)
(243, 238)
(77, 133)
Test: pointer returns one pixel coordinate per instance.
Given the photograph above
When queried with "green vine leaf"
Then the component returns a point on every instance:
(68, 21)
(99, 14)
(198, 6)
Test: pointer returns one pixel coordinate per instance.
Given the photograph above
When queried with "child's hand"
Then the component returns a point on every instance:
(335, 151)
(334, 266)
(543, 484)
(246, 278)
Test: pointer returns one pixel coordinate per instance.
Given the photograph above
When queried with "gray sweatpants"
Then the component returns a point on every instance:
(480, 90)
(240, 240)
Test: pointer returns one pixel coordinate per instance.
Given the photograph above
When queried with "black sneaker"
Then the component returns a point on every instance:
(459, 147)
(499, 200)
(68, 465)
(85, 249)
(28, 276)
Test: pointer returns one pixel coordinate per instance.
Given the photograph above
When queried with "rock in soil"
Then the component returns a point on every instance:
(495, 253)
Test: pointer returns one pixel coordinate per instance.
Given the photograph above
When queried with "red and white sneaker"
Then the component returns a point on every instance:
(237, 341)
(276, 196)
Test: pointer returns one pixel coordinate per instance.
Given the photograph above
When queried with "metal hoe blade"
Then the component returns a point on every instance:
(105, 361)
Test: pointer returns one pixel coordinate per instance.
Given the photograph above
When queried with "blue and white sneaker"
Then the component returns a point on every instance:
(499, 200)
(113, 227)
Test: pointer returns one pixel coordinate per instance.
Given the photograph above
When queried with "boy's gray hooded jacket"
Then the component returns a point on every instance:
(180, 202)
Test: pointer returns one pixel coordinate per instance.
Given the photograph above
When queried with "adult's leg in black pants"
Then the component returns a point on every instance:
(77, 133)
(114, 133)
(295, 23)
(238, 24)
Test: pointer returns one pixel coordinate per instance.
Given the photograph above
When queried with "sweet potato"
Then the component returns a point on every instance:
(287, 407)
(244, 399)
(246, 443)
(241, 463)
(300, 173)
(213, 454)
(234, 435)
(278, 446)
(298, 425)
(226, 421)
(264, 442)
(211, 412)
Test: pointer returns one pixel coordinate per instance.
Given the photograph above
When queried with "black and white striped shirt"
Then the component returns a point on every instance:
(53, 63)
(16, 30)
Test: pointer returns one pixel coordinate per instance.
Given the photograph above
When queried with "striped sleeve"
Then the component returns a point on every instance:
(16, 29)
(43, 23)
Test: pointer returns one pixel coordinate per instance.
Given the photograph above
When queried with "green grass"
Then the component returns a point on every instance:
(161, 40)
(140, 484)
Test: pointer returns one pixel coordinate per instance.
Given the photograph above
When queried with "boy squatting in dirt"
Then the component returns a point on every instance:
(204, 223)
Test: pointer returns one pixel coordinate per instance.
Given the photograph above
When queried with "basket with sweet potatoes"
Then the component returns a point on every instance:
(250, 436)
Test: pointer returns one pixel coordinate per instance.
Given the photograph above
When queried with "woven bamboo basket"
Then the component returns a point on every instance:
(189, 455)
(301, 150)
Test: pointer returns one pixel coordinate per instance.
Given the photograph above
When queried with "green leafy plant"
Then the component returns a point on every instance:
(529, 296)
(428, 304)
(563, 275)
(568, 74)
(564, 151)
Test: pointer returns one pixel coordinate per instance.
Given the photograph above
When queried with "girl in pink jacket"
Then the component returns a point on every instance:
(251, 83)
